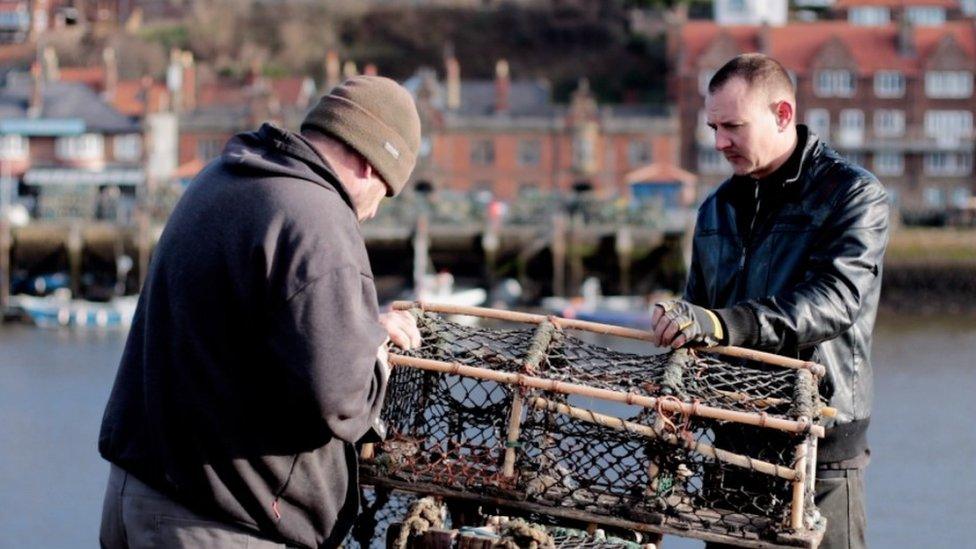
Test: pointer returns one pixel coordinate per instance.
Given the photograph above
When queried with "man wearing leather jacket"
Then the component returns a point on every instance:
(787, 258)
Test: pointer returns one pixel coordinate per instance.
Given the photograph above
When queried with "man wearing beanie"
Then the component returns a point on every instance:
(256, 359)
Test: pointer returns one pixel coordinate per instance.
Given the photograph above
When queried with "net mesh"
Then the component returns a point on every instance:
(649, 466)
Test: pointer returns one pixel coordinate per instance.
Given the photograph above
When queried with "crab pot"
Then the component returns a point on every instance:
(535, 419)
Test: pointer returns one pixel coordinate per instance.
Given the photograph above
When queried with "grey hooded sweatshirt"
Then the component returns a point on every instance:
(250, 370)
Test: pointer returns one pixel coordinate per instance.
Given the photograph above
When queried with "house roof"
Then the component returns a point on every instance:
(64, 100)
(132, 98)
(525, 97)
(90, 76)
(796, 45)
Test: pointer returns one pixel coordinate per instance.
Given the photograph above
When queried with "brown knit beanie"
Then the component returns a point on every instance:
(377, 118)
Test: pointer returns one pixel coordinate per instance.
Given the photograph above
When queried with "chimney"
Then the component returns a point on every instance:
(453, 69)
(189, 88)
(906, 38)
(111, 73)
(331, 71)
(503, 86)
(145, 93)
(52, 72)
(36, 102)
(370, 70)
(349, 69)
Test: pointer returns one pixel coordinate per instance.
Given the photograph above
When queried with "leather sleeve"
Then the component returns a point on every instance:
(844, 265)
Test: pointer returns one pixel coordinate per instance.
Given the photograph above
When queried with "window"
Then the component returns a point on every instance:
(127, 147)
(934, 197)
(834, 83)
(889, 123)
(529, 152)
(949, 84)
(13, 147)
(925, 15)
(528, 188)
(855, 157)
(818, 120)
(968, 7)
(209, 148)
(869, 15)
(638, 152)
(712, 162)
(960, 197)
(584, 150)
(88, 146)
(948, 125)
(889, 163)
(949, 164)
(704, 77)
(851, 130)
(889, 84)
(483, 152)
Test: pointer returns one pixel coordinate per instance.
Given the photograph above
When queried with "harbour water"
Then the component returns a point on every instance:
(921, 484)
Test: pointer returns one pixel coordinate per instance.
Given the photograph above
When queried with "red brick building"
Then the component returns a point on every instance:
(895, 97)
(508, 136)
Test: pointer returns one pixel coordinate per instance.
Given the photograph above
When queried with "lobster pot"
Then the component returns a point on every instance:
(536, 419)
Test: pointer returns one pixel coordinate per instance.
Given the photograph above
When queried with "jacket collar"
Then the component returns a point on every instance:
(297, 146)
(788, 177)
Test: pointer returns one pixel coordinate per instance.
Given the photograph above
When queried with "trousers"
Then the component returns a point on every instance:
(135, 516)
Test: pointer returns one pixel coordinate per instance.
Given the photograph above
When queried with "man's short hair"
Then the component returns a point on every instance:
(758, 71)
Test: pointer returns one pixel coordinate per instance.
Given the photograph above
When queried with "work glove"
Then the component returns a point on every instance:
(677, 323)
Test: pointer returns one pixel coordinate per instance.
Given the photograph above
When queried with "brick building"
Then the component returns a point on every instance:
(64, 146)
(507, 136)
(212, 111)
(895, 97)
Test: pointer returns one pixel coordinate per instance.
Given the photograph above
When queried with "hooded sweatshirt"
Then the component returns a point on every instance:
(250, 370)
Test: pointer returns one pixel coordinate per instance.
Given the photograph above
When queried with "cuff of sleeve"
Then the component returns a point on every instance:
(741, 326)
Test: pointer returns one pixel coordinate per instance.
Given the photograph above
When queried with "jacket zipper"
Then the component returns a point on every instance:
(752, 227)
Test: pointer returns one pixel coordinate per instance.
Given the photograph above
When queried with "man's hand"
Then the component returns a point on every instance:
(402, 329)
(677, 323)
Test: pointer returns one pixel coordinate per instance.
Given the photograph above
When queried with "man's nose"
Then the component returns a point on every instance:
(722, 141)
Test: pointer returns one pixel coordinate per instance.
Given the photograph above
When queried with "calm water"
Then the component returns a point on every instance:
(921, 483)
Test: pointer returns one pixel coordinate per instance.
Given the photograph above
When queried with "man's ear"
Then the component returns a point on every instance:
(363, 168)
(784, 114)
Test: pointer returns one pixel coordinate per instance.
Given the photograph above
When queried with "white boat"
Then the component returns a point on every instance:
(56, 311)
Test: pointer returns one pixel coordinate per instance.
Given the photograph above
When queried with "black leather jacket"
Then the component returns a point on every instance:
(803, 278)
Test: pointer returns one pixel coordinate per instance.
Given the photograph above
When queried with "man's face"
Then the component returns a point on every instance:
(745, 127)
(372, 190)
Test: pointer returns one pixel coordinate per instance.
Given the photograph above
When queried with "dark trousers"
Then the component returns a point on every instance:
(134, 516)
(840, 498)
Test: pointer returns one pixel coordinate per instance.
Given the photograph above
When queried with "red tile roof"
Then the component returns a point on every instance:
(12, 53)
(131, 100)
(93, 77)
(796, 45)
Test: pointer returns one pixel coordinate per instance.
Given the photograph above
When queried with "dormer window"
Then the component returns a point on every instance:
(834, 83)
(869, 16)
(949, 84)
(925, 15)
